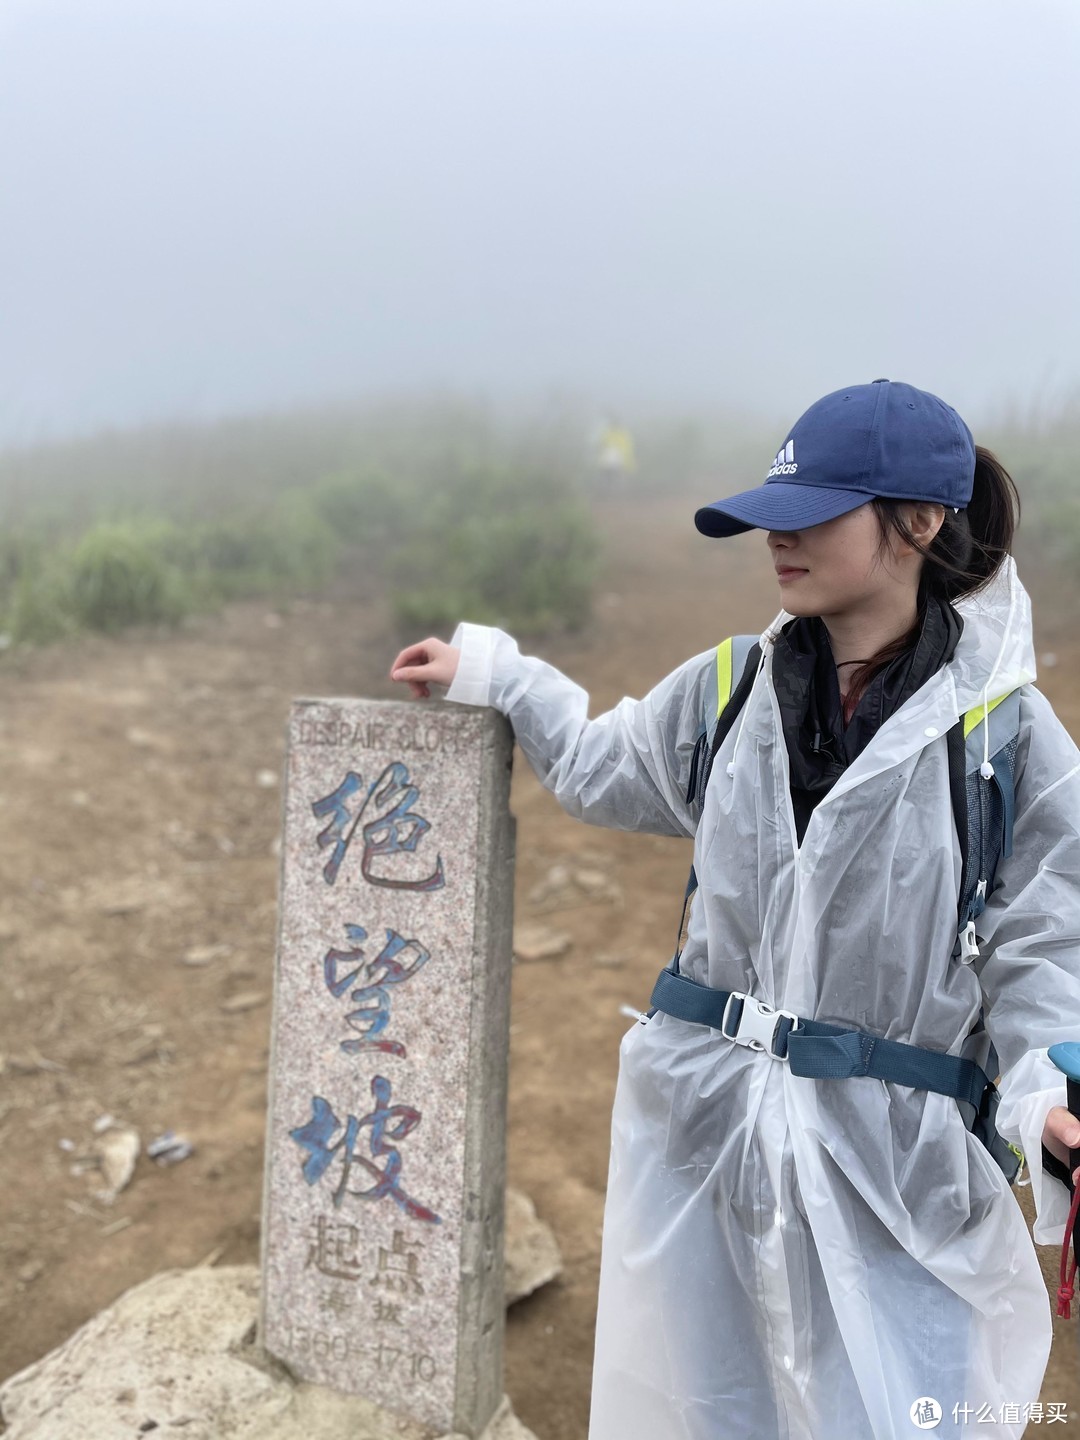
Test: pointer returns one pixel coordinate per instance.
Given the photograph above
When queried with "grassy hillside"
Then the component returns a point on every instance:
(461, 512)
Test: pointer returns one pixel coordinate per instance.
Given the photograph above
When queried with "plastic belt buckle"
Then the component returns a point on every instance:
(757, 1024)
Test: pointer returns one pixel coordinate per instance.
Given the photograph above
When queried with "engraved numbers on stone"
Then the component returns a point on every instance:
(335, 1347)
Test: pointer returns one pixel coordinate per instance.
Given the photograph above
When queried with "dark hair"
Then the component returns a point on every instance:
(967, 552)
(964, 555)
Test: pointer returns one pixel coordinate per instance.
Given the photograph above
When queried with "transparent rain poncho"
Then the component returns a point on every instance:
(791, 1257)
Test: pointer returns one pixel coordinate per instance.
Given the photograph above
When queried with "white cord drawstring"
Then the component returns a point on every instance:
(986, 770)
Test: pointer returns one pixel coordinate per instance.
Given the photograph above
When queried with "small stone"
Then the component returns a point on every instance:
(532, 1252)
(30, 1064)
(29, 1273)
(121, 905)
(609, 960)
(538, 942)
(117, 1151)
(103, 1123)
(593, 882)
(557, 879)
(205, 954)
(245, 1000)
(266, 779)
(170, 1148)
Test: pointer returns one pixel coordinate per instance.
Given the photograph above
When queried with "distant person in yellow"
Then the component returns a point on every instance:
(615, 459)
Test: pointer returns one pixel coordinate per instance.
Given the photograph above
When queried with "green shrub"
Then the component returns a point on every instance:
(498, 548)
(308, 549)
(118, 576)
(451, 513)
(16, 552)
(363, 507)
(285, 547)
(39, 607)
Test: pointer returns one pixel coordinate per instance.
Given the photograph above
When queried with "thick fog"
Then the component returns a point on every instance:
(211, 207)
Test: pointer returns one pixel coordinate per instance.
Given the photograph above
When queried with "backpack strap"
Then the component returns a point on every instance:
(984, 804)
(722, 703)
(738, 655)
(983, 794)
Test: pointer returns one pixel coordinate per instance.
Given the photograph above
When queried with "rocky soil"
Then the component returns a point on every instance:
(139, 815)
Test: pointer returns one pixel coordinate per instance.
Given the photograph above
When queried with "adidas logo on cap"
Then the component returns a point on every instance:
(784, 464)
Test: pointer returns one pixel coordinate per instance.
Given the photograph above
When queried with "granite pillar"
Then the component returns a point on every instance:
(385, 1172)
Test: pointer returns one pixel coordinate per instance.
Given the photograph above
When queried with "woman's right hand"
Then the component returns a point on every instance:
(430, 661)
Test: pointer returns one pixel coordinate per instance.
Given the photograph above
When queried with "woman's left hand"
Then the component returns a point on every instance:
(1061, 1133)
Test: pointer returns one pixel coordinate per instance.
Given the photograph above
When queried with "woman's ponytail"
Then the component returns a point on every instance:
(968, 550)
(964, 555)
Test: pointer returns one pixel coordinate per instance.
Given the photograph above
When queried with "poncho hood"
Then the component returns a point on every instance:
(996, 652)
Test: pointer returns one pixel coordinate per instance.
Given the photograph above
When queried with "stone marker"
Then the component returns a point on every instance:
(383, 1208)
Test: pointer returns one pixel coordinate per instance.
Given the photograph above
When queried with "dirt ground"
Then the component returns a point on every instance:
(139, 813)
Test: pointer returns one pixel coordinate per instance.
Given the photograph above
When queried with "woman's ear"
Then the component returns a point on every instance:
(924, 520)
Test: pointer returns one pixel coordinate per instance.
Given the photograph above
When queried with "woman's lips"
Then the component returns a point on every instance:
(788, 572)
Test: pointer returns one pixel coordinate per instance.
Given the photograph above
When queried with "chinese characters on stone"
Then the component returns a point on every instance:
(332, 1250)
(372, 1000)
(387, 1122)
(396, 831)
(384, 816)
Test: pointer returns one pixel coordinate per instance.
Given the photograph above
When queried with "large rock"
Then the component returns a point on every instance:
(177, 1355)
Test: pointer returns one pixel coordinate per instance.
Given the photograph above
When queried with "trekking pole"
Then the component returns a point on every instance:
(1066, 1057)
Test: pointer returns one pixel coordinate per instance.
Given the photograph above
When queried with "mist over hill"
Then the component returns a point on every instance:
(682, 207)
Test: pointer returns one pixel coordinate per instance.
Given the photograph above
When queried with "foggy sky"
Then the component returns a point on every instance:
(215, 205)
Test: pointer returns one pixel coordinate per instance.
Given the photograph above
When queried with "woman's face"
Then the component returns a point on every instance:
(841, 567)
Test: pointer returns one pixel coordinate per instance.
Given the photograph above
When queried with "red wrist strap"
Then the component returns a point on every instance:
(1067, 1274)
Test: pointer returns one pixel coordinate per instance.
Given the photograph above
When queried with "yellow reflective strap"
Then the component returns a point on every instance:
(976, 716)
(723, 675)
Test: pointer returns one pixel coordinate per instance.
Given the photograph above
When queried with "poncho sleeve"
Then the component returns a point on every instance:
(1030, 936)
(627, 769)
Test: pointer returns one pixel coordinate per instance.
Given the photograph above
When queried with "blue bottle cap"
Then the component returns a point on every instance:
(1066, 1057)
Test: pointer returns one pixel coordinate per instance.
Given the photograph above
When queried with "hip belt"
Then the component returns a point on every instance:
(820, 1051)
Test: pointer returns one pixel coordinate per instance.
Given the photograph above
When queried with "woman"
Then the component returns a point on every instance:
(831, 1259)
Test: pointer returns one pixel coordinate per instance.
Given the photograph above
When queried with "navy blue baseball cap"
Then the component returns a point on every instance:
(885, 440)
